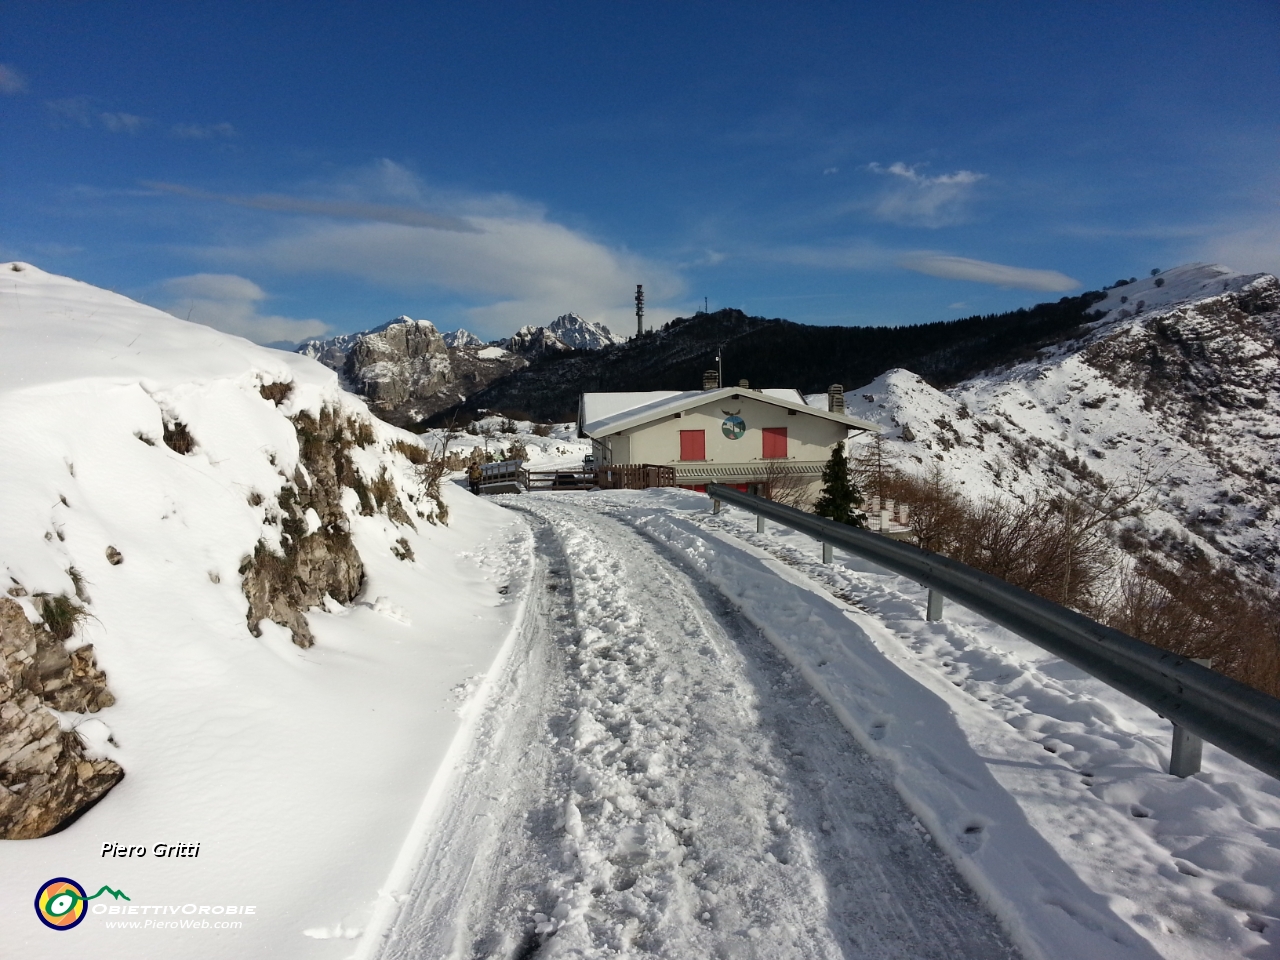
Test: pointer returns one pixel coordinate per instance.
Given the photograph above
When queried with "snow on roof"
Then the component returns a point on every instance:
(607, 413)
(783, 393)
(599, 409)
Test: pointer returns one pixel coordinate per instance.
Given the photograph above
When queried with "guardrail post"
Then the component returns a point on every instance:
(933, 609)
(1184, 758)
(759, 523)
(715, 506)
(826, 553)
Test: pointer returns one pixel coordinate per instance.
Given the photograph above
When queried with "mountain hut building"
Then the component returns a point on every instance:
(755, 440)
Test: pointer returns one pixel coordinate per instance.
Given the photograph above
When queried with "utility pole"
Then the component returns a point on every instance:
(639, 309)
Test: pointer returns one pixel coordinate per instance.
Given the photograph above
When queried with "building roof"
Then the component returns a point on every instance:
(604, 414)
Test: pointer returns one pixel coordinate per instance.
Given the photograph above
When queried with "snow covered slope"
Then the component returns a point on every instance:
(1179, 381)
(298, 772)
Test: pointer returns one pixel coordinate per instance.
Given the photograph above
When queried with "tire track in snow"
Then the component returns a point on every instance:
(685, 794)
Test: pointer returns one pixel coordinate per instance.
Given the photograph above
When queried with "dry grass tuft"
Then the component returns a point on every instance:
(60, 614)
(415, 453)
(178, 438)
(277, 393)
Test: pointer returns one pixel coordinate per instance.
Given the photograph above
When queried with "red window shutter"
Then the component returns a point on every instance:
(693, 444)
(775, 443)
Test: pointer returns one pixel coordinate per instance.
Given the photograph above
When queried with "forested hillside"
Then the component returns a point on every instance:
(778, 353)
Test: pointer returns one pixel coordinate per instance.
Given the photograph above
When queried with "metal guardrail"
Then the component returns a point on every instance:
(1240, 720)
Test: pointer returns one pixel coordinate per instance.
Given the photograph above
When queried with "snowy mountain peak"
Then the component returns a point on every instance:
(462, 338)
(579, 334)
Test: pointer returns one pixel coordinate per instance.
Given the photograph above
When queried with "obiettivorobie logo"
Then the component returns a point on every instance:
(61, 903)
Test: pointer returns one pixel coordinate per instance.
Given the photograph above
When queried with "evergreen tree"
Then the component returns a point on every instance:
(841, 497)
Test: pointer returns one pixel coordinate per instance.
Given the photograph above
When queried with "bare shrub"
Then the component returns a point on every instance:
(1202, 611)
(789, 489)
(938, 513)
(430, 472)
(542, 429)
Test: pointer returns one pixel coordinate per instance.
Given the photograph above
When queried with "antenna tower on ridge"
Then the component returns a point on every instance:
(639, 309)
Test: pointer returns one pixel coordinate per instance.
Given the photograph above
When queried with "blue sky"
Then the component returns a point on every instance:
(286, 170)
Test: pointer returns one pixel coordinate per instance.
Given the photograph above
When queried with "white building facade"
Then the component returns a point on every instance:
(751, 439)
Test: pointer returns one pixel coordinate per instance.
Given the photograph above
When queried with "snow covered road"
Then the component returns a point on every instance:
(652, 778)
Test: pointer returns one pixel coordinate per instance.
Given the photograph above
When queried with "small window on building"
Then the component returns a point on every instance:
(693, 444)
(775, 443)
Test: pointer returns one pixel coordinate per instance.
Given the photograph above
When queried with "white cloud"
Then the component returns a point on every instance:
(916, 200)
(513, 264)
(123, 122)
(981, 271)
(229, 303)
(71, 111)
(78, 112)
(342, 209)
(11, 81)
(202, 131)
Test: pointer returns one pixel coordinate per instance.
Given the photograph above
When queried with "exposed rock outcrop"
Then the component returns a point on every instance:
(315, 556)
(46, 776)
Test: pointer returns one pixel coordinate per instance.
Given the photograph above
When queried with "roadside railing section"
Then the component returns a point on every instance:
(1200, 703)
(635, 476)
(565, 479)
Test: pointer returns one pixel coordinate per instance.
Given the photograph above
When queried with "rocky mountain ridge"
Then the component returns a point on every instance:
(1174, 386)
(407, 369)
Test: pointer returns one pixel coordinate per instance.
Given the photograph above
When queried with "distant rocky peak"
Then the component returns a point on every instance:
(405, 320)
(579, 334)
(535, 340)
(462, 338)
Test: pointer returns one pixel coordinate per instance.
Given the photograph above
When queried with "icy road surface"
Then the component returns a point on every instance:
(653, 779)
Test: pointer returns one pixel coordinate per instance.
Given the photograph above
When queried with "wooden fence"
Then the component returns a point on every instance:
(635, 476)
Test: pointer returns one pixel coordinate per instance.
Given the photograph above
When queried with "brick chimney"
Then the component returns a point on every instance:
(835, 398)
(710, 380)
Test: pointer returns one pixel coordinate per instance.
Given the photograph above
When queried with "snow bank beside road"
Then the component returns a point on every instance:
(299, 772)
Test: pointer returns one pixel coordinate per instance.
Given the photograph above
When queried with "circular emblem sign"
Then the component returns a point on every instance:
(60, 903)
(733, 427)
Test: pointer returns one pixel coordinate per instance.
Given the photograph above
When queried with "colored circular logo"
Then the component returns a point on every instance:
(60, 904)
(733, 427)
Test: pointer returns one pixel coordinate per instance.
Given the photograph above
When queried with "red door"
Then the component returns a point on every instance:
(775, 443)
(693, 444)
